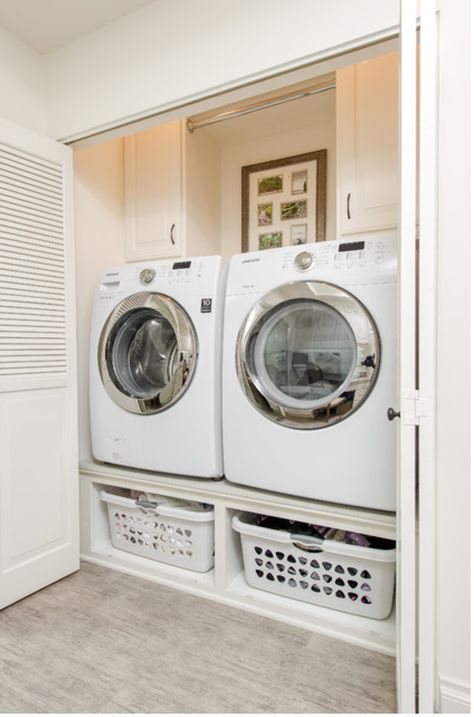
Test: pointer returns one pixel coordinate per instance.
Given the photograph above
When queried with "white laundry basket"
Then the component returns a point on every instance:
(169, 530)
(351, 578)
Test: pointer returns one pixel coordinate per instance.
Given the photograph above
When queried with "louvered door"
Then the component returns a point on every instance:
(38, 429)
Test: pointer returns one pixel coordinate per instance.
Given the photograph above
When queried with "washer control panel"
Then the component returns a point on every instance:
(173, 272)
(199, 274)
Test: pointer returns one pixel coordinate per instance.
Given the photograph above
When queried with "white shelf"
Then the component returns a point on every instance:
(152, 570)
(226, 582)
(362, 520)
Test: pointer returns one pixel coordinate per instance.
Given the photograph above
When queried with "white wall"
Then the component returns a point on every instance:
(22, 84)
(319, 132)
(174, 49)
(453, 445)
(100, 243)
(202, 194)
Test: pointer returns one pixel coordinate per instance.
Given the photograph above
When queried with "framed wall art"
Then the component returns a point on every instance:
(284, 201)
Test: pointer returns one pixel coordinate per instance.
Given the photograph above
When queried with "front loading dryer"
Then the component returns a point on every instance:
(310, 369)
(156, 342)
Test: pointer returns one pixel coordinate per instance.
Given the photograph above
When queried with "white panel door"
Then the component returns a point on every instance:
(427, 318)
(406, 494)
(38, 407)
(154, 193)
(367, 144)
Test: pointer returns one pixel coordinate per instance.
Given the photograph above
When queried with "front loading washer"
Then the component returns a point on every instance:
(156, 343)
(310, 369)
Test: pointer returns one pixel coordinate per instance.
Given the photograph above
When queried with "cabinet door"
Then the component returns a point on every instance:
(153, 193)
(39, 536)
(367, 144)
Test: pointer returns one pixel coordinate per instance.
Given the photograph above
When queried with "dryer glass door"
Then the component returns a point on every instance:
(308, 354)
(147, 353)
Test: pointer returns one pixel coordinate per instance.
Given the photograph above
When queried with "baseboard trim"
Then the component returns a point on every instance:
(454, 696)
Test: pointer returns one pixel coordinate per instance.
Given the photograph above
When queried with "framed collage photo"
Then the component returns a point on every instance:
(284, 201)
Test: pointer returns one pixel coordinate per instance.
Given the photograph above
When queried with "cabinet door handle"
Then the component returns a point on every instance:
(172, 234)
(348, 205)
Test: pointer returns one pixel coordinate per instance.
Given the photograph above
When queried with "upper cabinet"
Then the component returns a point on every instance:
(183, 189)
(367, 145)
(154, 193)
(172, 193)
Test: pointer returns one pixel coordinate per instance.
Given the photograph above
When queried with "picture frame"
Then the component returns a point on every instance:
(279, 193)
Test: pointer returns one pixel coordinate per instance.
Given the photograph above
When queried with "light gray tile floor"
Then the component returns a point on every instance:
(103, 641)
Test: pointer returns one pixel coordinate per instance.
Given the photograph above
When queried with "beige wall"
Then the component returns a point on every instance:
(319, 132)
(22, 84)
(100, 242)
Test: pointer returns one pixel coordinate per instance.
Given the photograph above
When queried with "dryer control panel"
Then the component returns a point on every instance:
(366, 259)
(340, 255)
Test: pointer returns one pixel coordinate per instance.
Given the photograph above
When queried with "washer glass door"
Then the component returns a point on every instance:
(147, 353)
(308, 354)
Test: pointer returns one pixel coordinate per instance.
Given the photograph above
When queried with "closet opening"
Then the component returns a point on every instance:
(185, 185)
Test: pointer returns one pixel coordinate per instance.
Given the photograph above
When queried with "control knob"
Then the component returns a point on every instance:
(303, 261)
(147, 276)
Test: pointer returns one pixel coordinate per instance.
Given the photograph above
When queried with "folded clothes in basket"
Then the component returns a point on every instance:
(323, 532)
(343, 536)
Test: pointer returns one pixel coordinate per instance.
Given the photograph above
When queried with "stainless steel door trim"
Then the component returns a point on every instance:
(186, 350)
(259, 388)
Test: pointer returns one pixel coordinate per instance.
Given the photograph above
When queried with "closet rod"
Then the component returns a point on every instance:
(262, 106)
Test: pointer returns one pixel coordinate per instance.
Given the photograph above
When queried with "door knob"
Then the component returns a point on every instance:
(391, 414)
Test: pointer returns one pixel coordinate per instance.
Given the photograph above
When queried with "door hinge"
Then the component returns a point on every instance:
(414, 408)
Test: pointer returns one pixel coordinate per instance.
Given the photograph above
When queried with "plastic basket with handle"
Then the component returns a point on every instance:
(350, 578)
(169, 530)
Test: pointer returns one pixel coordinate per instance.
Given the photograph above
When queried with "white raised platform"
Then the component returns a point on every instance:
(226, 582)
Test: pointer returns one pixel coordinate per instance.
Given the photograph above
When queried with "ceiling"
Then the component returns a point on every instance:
(46, 25)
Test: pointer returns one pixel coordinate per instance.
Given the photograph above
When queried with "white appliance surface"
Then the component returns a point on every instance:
(186, 437)
(352, 461)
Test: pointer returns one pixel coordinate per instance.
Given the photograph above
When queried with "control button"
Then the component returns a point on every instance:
(303, 261)
(147, 276)
(378, 258)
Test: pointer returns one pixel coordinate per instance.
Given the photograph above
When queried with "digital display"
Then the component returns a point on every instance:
(352, 246)
(181, 265)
